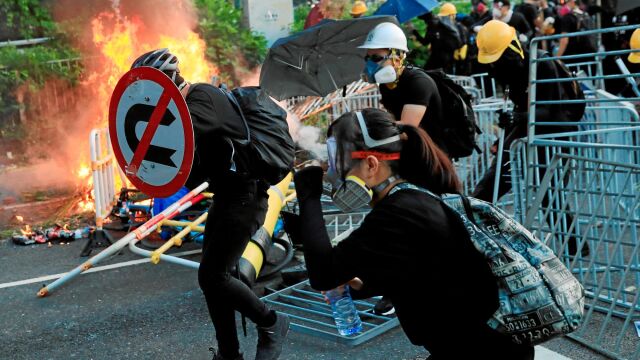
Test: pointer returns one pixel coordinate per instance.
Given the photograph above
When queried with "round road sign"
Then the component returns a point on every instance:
(151, 132)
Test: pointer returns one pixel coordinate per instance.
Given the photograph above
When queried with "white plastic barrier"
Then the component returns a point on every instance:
(104, 168)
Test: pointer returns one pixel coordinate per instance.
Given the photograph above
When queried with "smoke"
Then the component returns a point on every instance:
(306, 137)
(58, 117)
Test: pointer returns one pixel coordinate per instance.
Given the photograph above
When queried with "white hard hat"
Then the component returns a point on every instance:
(386, 36)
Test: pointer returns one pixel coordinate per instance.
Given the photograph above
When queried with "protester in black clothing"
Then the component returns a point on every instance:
(479, 11)
(481, 17)
(575, 20)
(238, 210)
(509, 64)
(443, 39)
(410, 247)
(502, 11)
(408, 93)
(531, 12)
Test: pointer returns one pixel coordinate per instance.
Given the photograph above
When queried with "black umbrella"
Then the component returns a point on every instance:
(626, 5)
(318, 60)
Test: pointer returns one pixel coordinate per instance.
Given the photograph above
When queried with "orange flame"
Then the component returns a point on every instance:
(27, 230)
(19, 218)
(120, 41)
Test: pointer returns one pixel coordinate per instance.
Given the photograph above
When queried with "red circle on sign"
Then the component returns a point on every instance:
(170, 90)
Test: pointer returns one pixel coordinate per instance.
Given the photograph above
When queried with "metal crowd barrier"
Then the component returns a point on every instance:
(594, 229)
(311, 315)
(579, 192)
(306, 307)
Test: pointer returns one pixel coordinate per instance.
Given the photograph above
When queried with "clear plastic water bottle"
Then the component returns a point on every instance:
(344, 310)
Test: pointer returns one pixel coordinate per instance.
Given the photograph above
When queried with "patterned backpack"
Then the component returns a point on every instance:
(539, 297)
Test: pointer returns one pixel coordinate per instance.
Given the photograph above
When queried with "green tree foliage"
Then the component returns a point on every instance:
(28, 17)
(229, 44)
(300, 14)
(30, 66)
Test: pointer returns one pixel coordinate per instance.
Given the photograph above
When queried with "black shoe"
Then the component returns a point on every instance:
(217, 356)
(271, 339)
(384, 307)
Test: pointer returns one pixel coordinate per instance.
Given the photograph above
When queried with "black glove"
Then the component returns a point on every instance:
(506, 119)
(309, 183)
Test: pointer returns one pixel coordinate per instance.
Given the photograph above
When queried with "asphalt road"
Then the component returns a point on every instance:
(145, 311)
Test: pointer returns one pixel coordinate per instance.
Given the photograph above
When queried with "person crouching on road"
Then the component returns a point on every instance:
(238, 210)
(409, 240)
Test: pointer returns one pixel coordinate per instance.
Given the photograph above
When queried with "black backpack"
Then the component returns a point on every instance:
(460, 129)
(269, 137)
(587, 43)
(571, 90)
(271, 148)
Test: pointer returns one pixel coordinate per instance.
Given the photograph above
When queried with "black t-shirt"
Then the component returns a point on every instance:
(215, 121)
(571, 23)
(530, 13)
(415, 251)
(415, 87)
(520, 24)
(519, 94)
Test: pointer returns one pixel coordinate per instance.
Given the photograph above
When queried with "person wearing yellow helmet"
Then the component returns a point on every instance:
(634, 44)
(358, 9)
(448, 9)
(500, 48)
(447, 16)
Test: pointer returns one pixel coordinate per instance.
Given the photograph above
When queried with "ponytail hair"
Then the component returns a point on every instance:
(423, 163)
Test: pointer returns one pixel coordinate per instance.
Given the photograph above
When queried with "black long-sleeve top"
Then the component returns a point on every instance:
(411, 249)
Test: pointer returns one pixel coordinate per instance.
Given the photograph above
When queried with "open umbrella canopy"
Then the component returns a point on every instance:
(406, 10)
(318, 60)
(626, 5)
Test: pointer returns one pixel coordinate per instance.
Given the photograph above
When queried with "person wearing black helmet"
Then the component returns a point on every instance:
(238, 211)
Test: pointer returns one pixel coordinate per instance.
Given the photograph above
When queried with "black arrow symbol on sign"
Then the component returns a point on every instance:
(142, 112)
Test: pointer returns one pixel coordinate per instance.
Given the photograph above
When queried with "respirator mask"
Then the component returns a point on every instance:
(352, 193)
(375, 73)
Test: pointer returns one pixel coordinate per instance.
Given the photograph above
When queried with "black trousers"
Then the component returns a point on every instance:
(237, 212)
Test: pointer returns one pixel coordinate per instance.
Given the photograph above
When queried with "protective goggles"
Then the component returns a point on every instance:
(377, 58)
(345, 164)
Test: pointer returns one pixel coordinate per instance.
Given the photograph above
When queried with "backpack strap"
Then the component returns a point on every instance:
(234, 102)
(450, 200)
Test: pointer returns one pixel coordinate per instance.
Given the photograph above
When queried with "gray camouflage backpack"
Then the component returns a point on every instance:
(539, 297)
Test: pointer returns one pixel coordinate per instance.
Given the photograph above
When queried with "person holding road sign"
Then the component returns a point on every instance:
(239, 209)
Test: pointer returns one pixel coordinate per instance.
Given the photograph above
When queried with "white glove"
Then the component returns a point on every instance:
(523, 38)
(477, 28)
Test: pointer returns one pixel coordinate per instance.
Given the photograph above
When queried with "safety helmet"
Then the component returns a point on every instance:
(447, 9)
(493, 39)
(160, 59)
(386, 35)
(635, 45)
(358, 8)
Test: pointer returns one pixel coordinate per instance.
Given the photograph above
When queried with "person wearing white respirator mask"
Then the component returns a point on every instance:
(408, 93)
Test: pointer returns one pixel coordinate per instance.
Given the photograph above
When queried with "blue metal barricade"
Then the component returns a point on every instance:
(311, 315)
(594, 230)
(579, 191)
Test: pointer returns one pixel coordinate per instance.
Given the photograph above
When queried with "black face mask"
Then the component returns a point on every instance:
(510, 69)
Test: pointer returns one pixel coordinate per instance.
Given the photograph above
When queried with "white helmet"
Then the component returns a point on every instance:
(386, 36)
